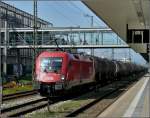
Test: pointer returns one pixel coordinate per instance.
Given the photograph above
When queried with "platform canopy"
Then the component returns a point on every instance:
(121, 15)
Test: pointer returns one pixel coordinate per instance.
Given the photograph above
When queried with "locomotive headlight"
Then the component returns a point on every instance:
(62, 77)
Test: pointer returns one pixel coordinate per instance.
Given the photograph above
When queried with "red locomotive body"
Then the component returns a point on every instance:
(57, 71)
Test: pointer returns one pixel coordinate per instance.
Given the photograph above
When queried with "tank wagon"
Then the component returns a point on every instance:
(57, 72)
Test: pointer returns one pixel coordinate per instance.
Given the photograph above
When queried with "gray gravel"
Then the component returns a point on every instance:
(19, 101)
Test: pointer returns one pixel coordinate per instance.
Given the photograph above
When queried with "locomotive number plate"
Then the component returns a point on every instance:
(58, 86)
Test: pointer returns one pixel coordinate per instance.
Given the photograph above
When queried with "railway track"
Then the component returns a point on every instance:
(27, 107)
(97, 106)
(19, 95)
(33, 105)
(24, 108)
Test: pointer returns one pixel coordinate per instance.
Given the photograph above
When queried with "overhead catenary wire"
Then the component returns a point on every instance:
(63, 9)
(65, 16)
(81, 10)
(75, 13)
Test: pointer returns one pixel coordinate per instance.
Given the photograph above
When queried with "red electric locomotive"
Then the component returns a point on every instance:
(59, 71)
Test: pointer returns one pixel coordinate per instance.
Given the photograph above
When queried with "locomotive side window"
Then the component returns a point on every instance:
(51, 64)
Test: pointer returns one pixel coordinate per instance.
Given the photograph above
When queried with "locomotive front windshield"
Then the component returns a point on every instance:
(51, 64)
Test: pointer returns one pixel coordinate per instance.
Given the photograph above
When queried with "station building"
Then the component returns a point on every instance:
(20, 60)
(16, 59)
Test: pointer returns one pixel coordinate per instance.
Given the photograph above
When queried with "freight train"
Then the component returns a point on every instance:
(56, 72)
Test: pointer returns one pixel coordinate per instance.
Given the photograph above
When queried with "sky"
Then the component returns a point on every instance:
(61, 13)
(71, 14)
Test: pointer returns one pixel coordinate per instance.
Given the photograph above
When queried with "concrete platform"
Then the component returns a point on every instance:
(134, 103)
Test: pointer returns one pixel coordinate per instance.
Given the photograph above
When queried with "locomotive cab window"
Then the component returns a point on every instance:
(51, 64)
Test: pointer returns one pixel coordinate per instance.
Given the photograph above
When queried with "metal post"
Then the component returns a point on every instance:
(92, 50)
(91, 27)
(113, 53)
(24, 35)
(79, 38)
(117, 39)
(42, 38)
(149, 51)
(86, 15)
(18, 62)
(130, 55)
(102, 38)
(5, 50)
(1, 88)
(34, 36)
(67, 39)
(97, 38)
(35, 23)
(84, 38)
